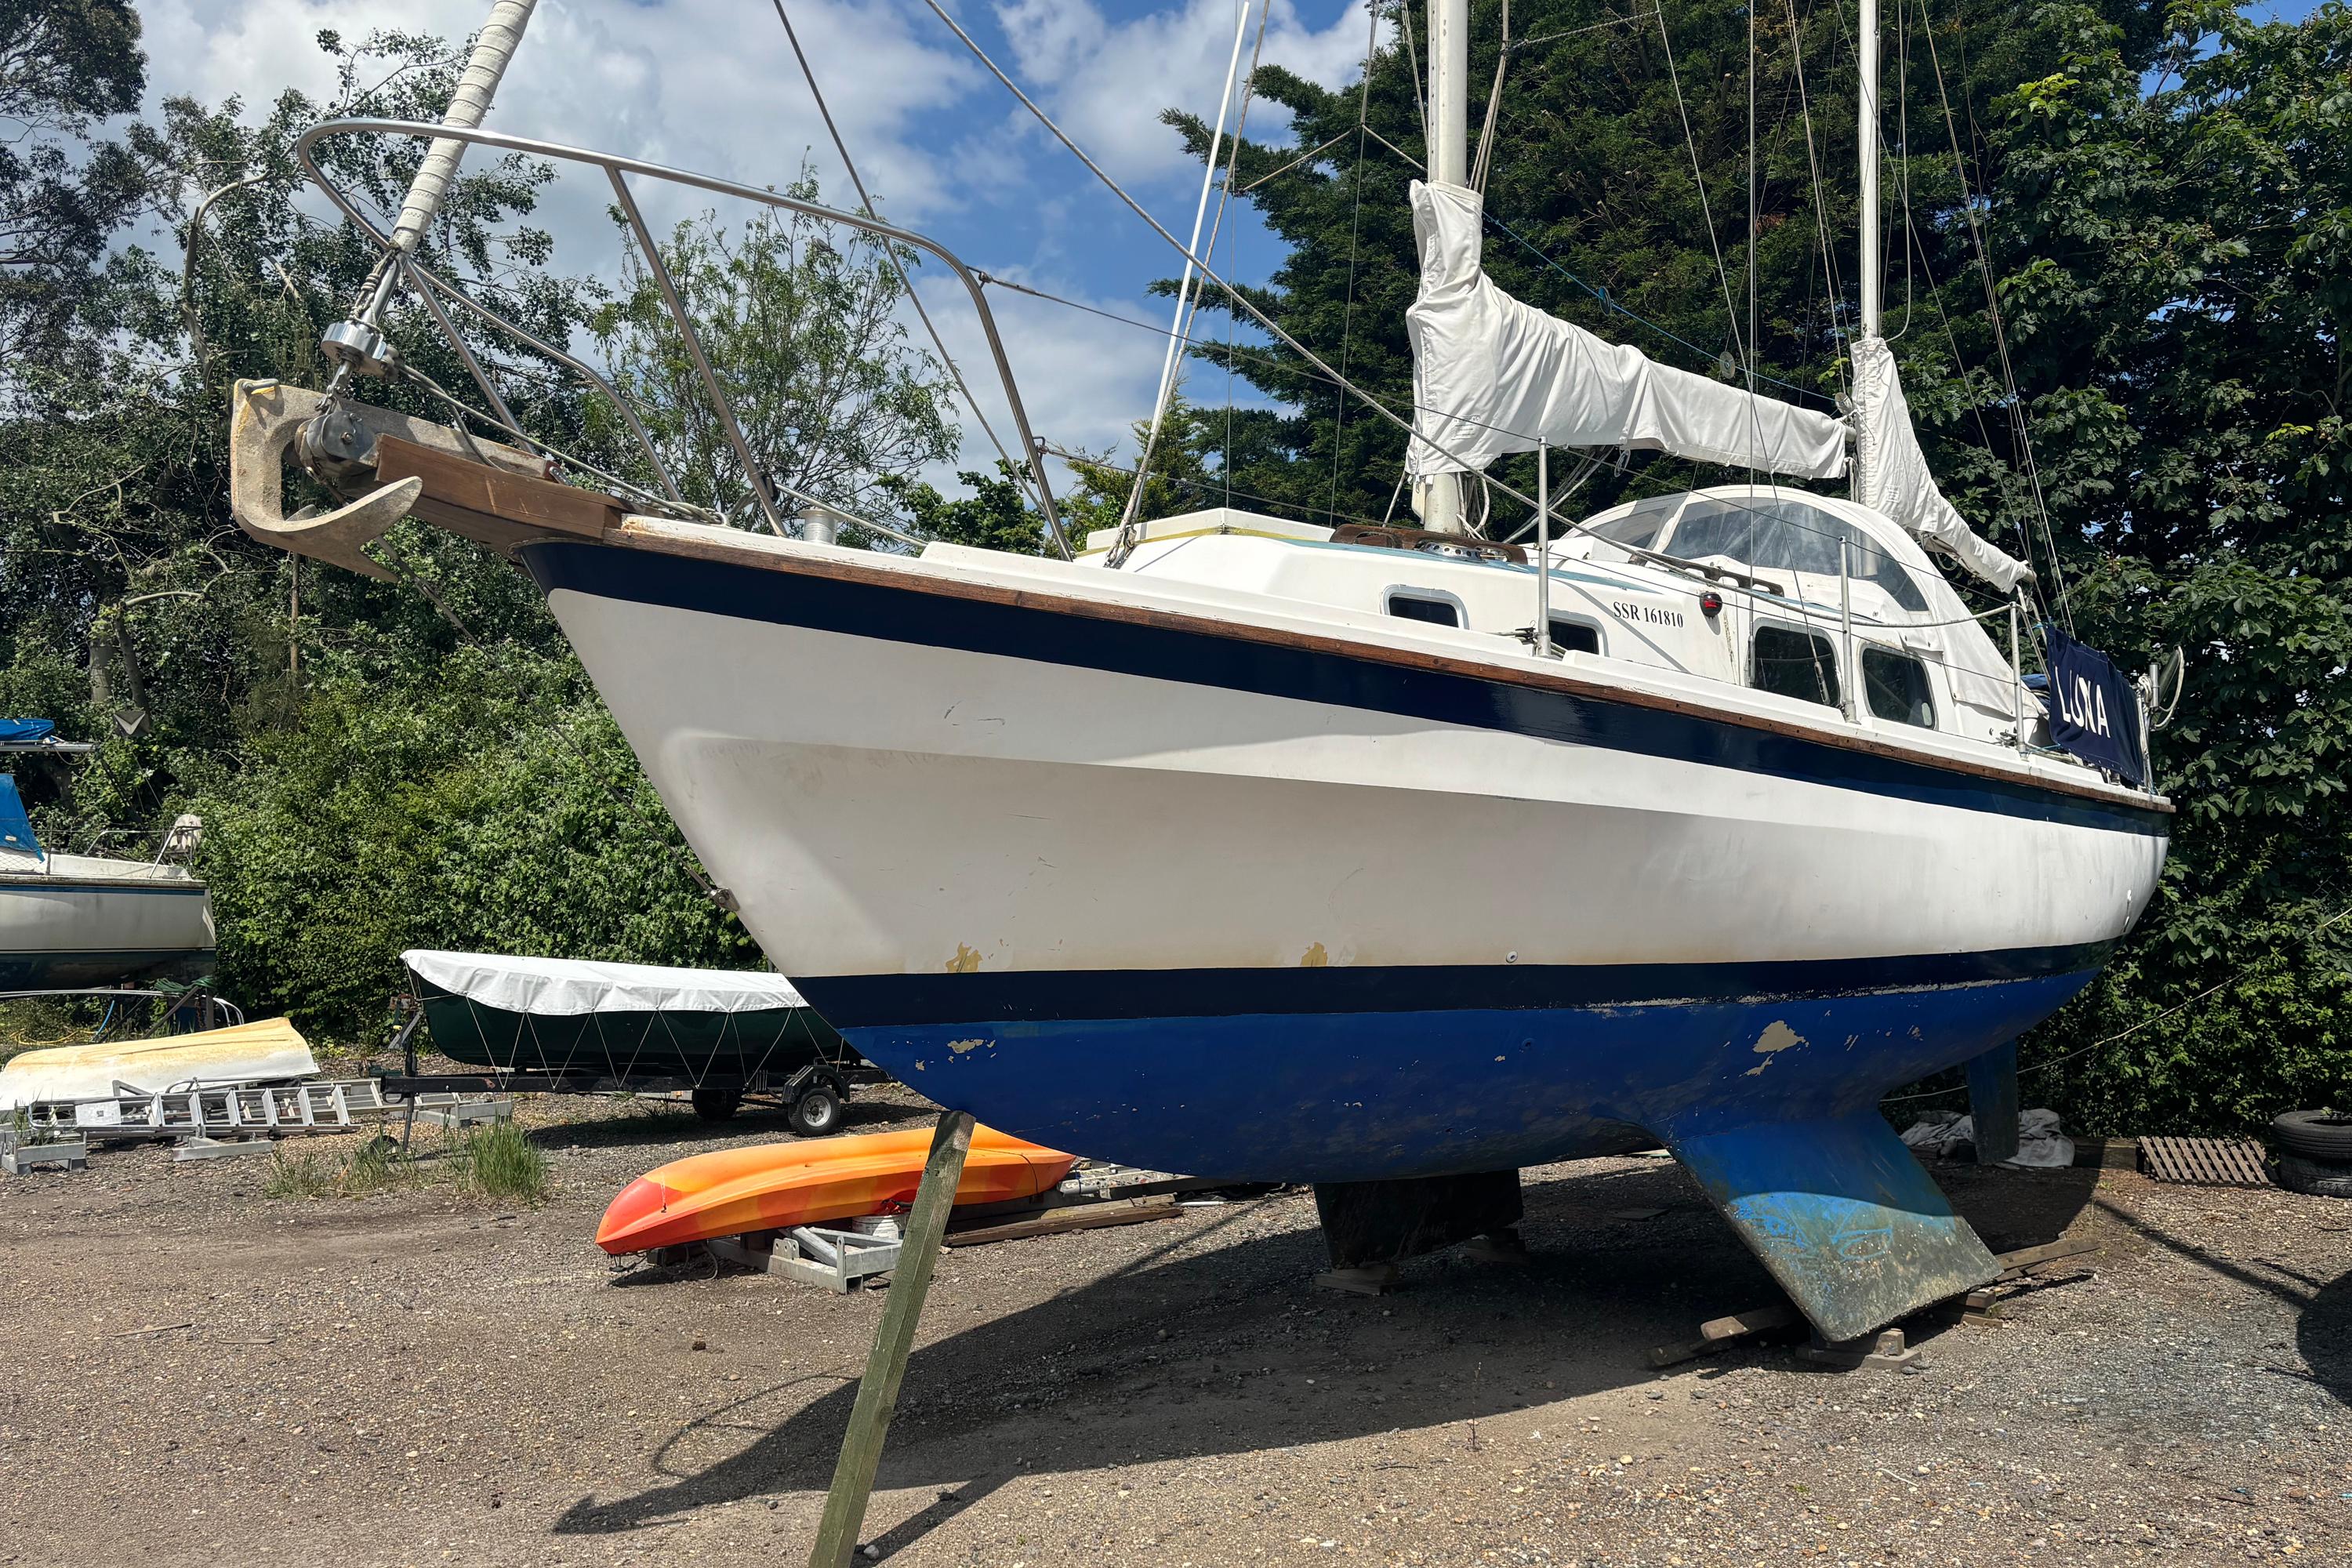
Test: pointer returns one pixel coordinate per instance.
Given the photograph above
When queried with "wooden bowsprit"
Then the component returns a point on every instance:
(877, 1391)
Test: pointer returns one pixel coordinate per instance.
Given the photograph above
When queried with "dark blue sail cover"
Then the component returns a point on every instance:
(25, 732)
(2093, 711)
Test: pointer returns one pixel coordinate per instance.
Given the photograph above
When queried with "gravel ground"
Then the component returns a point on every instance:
(202, 1374)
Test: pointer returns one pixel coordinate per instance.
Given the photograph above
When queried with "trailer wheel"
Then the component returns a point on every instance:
(718, 1104)
(816, 1113)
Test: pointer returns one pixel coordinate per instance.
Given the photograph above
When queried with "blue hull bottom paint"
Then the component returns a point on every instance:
(1770, 1103)
(1349, 1097)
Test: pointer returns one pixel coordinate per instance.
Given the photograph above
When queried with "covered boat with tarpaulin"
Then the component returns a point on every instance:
(576, 1024)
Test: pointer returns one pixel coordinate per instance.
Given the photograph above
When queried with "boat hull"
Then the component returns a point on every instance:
(1245, 903)
(690, 1042)
(61, 930)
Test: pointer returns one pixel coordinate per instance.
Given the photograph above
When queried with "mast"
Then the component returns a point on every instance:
(1438, 499)
(1867, 153)
(357, 344)
(1866, 149)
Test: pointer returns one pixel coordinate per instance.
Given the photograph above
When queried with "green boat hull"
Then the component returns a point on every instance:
(702, 1047)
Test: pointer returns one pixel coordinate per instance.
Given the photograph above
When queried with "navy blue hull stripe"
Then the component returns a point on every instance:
(870, 1001)
(1308, 674)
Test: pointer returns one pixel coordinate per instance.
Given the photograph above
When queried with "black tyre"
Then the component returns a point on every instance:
(817, 1112)
(2321, 1178)
(718, 1104)
(2322, 1135)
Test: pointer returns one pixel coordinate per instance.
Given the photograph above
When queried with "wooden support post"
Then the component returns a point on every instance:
(1992, 1103)
(877, 1391)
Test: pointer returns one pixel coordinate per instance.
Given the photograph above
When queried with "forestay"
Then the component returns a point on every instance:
(572, 987)
(1493, 375)
(1894, 480)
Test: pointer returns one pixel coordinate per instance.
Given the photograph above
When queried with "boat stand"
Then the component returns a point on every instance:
(877, 1391)
(838, 1257)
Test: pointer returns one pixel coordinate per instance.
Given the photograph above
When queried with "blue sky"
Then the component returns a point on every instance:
(711, 85)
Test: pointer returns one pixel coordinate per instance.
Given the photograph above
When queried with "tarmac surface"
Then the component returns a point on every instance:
(202, 1374)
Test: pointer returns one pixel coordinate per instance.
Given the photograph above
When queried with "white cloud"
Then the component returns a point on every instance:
(711, 86)
(708, 85)
(1105, 82)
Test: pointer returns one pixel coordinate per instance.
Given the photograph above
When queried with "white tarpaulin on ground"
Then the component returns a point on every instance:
(1894, 476)
(267, 1050)
(1493, 375)
(570, 987)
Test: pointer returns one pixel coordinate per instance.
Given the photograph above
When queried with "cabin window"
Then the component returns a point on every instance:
(1768, 534)
(1796, 663)
(1639, 528)
(1575, 637)
(1429, 607)
(1896, 685)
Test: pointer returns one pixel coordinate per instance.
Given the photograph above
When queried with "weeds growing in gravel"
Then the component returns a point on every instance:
(300, 1171)
(501, 1162)
(495, 1162)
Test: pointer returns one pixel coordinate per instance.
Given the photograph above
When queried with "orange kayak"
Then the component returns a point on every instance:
(809, 1181)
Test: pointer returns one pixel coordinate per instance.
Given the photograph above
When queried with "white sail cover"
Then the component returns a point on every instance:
(1894, 480)
(572, 987)
(1493, 375)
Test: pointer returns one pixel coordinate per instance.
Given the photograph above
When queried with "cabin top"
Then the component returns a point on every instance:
(1811, 600)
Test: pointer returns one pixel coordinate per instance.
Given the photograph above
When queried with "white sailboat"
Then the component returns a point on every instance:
(1261, 849)
(68, 922)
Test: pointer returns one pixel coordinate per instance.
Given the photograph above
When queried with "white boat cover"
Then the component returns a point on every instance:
(1493, 375)
(572, 987)
(267, 1050)
(1894, 480)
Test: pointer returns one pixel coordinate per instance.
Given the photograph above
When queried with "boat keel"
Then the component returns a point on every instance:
(1845, 1218)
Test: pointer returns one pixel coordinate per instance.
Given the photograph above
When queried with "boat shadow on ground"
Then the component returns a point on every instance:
(2322, 1307)
(1204, 1347)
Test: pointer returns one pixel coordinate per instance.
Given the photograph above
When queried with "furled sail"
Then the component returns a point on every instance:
(1895, 478)
(1493, 375)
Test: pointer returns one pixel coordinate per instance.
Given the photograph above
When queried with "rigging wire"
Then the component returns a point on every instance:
(1630, 17)
(1413, 59)
(2018, 421)
(1698, 178)
(1172, 367)
(1232, 294)
(1478, 166)
(1835, 284)
(1609, 302)
(1019, 472)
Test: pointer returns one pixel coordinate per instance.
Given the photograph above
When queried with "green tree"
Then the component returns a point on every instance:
(803, 333)
(65, 65)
